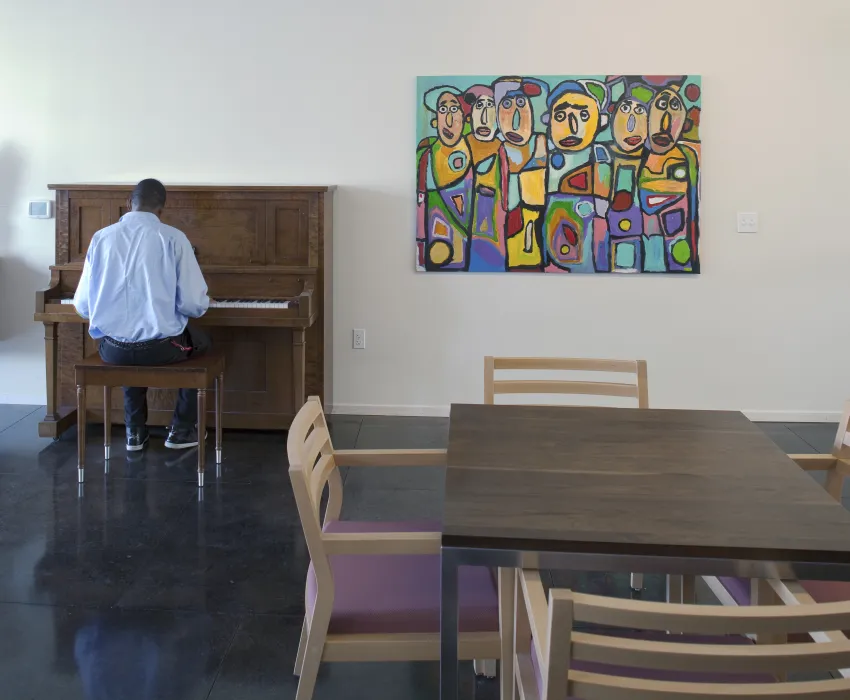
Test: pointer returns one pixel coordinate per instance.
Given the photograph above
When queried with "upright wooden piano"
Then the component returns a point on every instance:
(266, 255)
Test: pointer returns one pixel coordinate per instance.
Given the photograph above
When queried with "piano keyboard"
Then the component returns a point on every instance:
(238, 303)
(250, 303)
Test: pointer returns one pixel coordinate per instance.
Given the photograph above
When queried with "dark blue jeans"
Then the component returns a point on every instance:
(191, 343)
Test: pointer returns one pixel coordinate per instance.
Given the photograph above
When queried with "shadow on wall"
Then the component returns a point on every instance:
(18, 280)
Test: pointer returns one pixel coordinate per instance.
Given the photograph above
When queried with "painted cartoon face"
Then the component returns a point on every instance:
(631, 124)
(449, 119)
(516, 120)
(666, 121)
(574, 121)
(484, 118)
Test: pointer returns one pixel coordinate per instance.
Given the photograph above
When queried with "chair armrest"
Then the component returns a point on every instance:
(390, 458)
(382, 542)
(814, 463)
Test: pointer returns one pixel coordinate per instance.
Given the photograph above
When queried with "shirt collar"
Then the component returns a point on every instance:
(144, 215)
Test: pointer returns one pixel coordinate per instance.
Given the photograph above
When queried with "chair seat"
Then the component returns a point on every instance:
(821, 591)
(661, 675)
(827, 591)
(738, 588)
(211, 362)
(396, 594)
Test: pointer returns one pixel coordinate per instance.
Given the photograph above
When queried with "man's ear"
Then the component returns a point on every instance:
(434, 123)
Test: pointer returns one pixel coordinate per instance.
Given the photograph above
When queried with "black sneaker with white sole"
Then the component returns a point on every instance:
(182, 438)
(137, 439)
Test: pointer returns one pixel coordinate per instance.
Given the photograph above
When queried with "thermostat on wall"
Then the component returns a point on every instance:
(40, 208)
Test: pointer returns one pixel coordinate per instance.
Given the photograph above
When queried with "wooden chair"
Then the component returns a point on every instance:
(740, 591)
(197, 373)
(670, 651)
(373, 588)
(638, 390)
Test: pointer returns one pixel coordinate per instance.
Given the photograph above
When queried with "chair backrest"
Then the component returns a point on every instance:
(311, 468)
(841, 446)
(774, 660)
(637, 390)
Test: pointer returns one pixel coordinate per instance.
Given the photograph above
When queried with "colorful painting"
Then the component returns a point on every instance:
(588, 174)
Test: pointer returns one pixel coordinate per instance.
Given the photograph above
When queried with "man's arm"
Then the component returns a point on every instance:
(192, 299)
(81, 296)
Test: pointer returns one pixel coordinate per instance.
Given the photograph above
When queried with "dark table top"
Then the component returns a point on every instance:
(698, 484)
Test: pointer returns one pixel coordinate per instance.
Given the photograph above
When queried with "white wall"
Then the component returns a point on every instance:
(286, 91)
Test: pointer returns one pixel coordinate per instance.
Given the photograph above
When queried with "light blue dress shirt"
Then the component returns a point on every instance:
(140, 281)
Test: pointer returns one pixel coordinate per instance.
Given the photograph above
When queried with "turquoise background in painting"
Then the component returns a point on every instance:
(462, 82)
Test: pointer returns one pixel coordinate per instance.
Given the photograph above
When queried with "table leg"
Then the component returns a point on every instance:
(107, 425)
(202, 434)
(448, 626)
(674, 588)
(681, 589)
(81, 433)
(51, 354)
(219, 410)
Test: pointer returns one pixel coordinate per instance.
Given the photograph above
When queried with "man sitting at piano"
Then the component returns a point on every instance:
(140, 285)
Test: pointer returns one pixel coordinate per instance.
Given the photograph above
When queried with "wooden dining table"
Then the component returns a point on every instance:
(676, 492)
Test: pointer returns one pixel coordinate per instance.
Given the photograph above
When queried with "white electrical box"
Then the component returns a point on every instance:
(748, 222)
(40, 208)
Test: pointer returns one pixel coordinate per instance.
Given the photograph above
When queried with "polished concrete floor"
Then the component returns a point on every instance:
(138, 590)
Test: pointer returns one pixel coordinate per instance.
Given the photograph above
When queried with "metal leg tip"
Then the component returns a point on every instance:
(218, 455)
(106, 451)
(200, 480)
(81, 476)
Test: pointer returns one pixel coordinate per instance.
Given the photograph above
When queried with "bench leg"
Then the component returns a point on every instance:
(81, 433)
(219, 409)
(202, 432)
(107, 424)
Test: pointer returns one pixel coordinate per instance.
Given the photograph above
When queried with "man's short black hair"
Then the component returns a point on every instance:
(149, 195)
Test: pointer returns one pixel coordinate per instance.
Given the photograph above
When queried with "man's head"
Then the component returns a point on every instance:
(576, 113)
(630, 125)
(483, 117)
(514, 111)
(449, 113)
(667, 120)
(148, 195)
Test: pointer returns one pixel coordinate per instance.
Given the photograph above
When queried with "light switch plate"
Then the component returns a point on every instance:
(748, 222)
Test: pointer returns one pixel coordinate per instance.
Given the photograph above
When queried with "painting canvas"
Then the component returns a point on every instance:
(558, 174)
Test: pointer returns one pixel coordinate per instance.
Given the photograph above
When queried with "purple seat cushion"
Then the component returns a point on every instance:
(400, 593)
(661, 675)
(821, 591)
(738, 588)
(827, 591)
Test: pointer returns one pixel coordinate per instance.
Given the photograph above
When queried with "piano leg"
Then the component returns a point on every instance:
(51, 354)
(299, 346)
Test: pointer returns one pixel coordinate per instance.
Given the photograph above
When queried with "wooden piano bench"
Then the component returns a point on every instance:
(198, 373)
